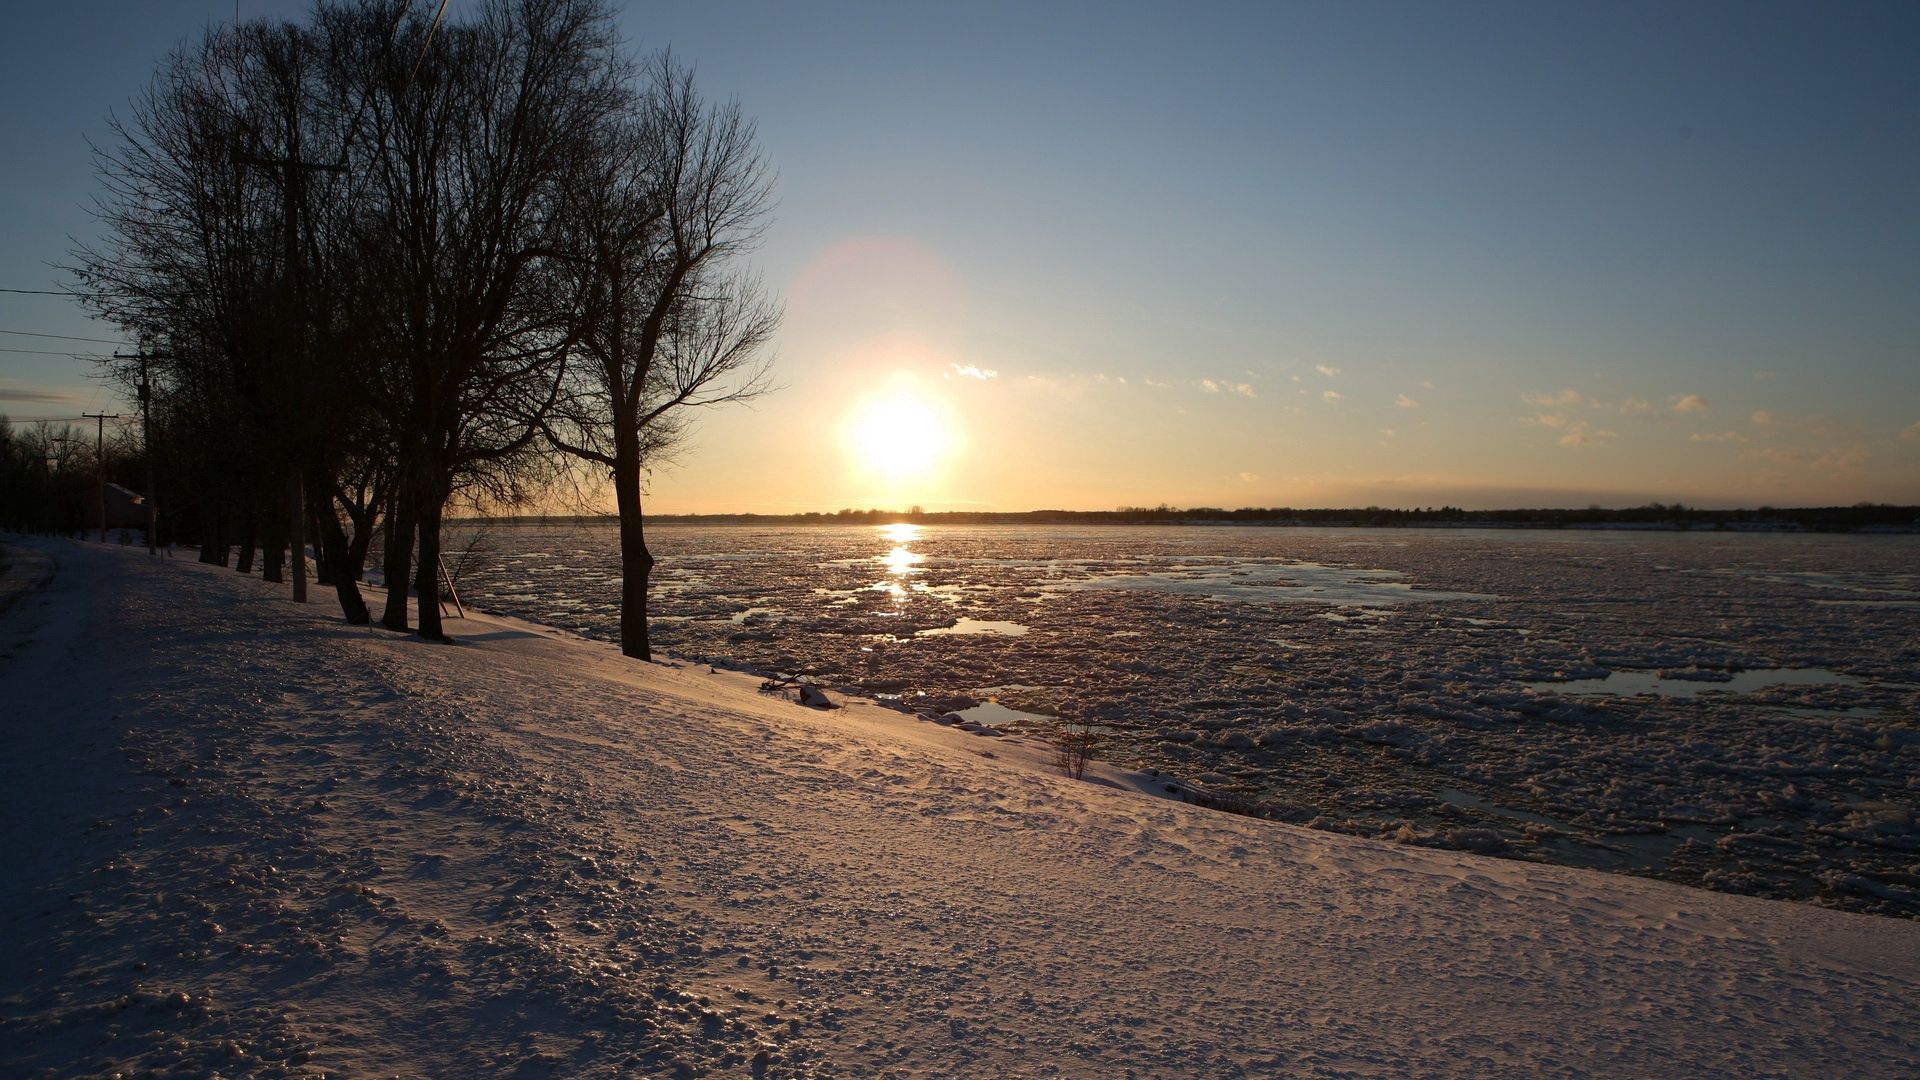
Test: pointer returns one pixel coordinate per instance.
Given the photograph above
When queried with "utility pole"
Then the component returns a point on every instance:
(291, 169)
(100, 461)
(55, 457)
(146, 442)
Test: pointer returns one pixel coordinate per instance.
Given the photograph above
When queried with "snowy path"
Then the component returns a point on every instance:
(243, 838)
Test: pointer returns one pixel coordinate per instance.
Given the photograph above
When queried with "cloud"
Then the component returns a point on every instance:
(1326, 369)
(1406, 402)
(1813, 425)
(1774, 455)
(1333, 397)
(970, 371)
(1248, 478)
(1724, 436)
(1820, 426)
(1573, 432)
(1842, 460)
(1836, 460)
(1552, 401)
(1578, 434)
(1690, 403)
(28, 395)
(1911, 432)
(1634, 406)
(1387, 432)
(1221, 386)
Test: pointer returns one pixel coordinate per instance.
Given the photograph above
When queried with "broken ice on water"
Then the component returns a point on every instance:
(1730, 710)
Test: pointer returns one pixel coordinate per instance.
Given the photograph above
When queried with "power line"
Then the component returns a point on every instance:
(62, 337)
(48, 352)
(50, 292)
(18, 420)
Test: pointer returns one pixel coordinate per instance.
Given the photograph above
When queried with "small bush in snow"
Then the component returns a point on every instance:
(1072, 749)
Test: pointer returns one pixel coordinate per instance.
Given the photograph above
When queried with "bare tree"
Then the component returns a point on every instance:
(222, 195)
(675, 191)
(469, 130)
(368, 248)
(187, 264)
(44, 469)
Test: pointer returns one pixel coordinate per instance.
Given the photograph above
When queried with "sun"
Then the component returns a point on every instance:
(899, 434)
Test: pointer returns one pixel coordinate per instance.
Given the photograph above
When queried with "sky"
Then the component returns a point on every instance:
(1094, 255)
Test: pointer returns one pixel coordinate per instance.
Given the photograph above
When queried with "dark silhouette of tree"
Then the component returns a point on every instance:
(665, 321)
(46, 468)
(469, 134)
(336, 238)
(190, 267)
(379, 262)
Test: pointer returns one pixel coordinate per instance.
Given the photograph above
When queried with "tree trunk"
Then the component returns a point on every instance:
(427, 568)
(273, 541)
(221, 517)
(362, 515)
(297, 526)
(355, 566)
(333, 558)
(398, 562)
(249, 536)
(636, 562)
(209, 536)
(323, 560)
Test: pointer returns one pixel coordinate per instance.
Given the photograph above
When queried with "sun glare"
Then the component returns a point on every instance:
(899, 435)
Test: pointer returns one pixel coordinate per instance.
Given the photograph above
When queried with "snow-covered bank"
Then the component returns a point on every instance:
(244, 838)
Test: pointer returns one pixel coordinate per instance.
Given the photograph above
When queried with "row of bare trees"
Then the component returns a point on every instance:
(380, 263)
(48, 468)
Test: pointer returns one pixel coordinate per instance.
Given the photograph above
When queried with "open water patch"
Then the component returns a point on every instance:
(1692, 684)
(1456, 797)
(994, 714)
(1291, 582)
(999, 627)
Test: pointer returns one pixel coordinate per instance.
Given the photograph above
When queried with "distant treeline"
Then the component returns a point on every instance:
(1874, 517)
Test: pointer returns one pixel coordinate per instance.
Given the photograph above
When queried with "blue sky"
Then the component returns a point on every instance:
(1245, 255)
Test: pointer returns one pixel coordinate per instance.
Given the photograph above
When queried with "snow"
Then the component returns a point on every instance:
(245, 839)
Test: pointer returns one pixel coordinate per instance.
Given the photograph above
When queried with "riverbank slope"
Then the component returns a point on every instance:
(246, 838)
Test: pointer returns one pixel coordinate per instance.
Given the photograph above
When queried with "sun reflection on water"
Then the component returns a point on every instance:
(902, 561)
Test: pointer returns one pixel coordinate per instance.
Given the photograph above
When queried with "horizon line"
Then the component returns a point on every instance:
(1648, 509)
